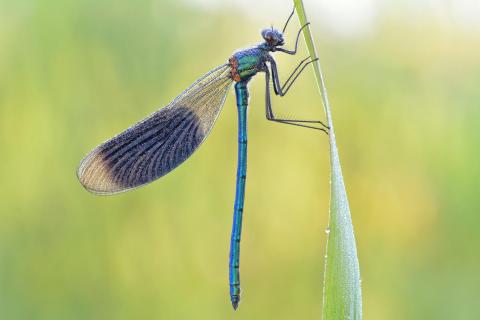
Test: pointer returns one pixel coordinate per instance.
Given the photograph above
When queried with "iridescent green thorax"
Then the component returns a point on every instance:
(245, 64)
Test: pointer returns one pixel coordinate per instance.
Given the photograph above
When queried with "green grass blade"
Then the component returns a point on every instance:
(342, 296)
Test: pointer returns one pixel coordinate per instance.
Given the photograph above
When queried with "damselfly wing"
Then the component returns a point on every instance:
(158, 144)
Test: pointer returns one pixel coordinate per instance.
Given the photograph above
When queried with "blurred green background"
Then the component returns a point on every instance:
(403, 81)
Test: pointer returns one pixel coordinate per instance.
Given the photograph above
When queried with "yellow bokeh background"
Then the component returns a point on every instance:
(405, 98)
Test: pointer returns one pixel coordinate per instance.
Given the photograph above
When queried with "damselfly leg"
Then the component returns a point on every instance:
(281, 90)
(288, 84)
(294, 122)
(292, 52)
(288, 20)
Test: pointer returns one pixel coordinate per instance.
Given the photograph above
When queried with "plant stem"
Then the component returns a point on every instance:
(342, 296)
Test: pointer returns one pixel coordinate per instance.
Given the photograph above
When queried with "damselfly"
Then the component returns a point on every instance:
(161, 142)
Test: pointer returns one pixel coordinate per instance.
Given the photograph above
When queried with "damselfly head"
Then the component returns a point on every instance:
(273, 37)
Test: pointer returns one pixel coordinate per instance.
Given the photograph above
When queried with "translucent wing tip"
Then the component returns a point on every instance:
(95, 175)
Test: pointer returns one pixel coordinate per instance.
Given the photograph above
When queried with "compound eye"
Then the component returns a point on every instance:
(267, 35)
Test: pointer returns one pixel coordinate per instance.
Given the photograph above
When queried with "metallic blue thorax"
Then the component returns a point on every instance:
(248, 62)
